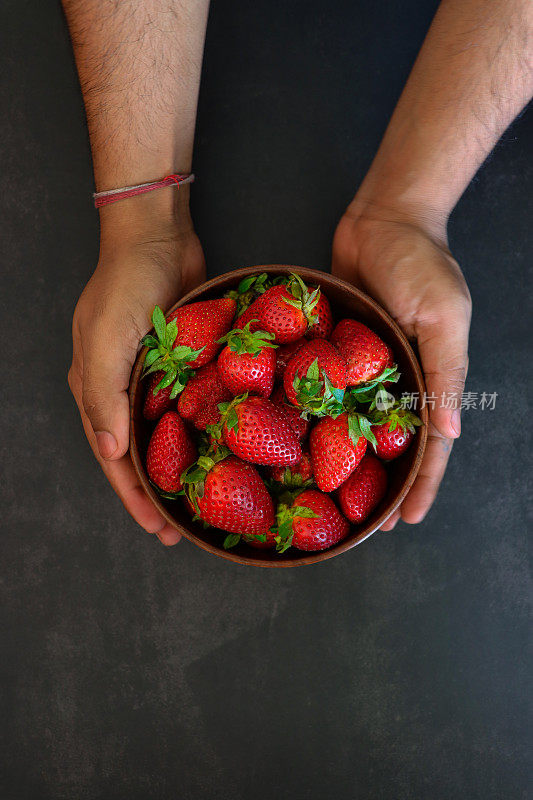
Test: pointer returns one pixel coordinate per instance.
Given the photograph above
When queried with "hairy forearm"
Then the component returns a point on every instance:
(139, 63)
(472, 77)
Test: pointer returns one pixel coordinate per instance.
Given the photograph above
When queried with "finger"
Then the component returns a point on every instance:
(390, 524)
(423, 492)
(104, 399)
(443, 346)
(123, 478)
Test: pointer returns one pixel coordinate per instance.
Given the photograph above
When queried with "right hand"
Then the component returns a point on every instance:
(144, 261)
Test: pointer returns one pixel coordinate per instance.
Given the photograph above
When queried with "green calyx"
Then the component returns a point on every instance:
(396, 416)
(360, 425)
(163, 356)
(316, 395)
(228, 417)
(193, 478)
(233, 539)
(302, 298)
(242, 340)
(373, 392)
(166, 495)
(293, 480)
(249, 290)
(283, 528)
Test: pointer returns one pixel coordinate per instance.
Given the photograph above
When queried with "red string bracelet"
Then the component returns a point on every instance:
(114, 195)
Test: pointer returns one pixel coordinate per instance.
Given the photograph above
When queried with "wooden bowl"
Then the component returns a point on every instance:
(346, 301)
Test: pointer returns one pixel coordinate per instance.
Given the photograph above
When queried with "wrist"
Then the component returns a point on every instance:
(377, 203)
(162, 214)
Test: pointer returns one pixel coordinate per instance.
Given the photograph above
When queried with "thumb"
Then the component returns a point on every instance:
(106, 373)
(443, 347)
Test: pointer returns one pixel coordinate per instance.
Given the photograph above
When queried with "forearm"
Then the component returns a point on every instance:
(472, 77)
(139, 63)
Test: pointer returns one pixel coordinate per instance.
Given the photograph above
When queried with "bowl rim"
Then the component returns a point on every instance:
(312, 275)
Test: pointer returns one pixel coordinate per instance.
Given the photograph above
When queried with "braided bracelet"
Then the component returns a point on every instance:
(114, 195)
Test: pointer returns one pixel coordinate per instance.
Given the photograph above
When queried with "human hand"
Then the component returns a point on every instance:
(145, 260)
(402, 260)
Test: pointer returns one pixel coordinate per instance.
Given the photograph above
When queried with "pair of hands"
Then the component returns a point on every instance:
(396, 259)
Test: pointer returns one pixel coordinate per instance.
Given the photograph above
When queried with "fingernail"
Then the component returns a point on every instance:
(456, 422)
(107, 444)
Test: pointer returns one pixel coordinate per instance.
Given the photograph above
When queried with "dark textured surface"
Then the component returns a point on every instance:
(129, 671)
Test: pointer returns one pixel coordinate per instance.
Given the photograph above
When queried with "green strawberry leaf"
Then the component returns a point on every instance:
(313, 372)
(149, 341)
(159, 322)
(151, 356)
(232, 420)
(166, 495)
(167, 380)
(303, 511)
(231, 540)
(171, 332)
(246, 284)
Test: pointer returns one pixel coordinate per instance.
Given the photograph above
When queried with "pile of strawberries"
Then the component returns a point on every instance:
(273, 422)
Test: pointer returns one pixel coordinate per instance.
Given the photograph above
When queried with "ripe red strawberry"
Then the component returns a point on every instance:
(155, 405)
(255, 430)
(315, 378)
(364, 489)
(199, 401)
(285, 311)
(201, 325)
(394, 431)
(365, 353)
(337, 446)
(284, 355)
(312, 522)
(230, 495)
(188, 338)
(323, 327)
(296, 475)
(299, 424)
(170, 451)
(248, 361)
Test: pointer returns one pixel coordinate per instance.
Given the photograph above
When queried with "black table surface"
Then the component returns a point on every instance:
(397, 670)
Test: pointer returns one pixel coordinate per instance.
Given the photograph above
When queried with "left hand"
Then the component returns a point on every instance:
(404, 263)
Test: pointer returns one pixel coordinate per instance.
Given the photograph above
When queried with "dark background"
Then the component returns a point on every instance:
(398, 670)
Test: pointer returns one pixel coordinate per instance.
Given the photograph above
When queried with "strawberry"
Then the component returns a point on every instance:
(367, 356)
(284, 354)
(199, 401)
(229, 494)
(364, 489)
(255, 430)
(285, 311)
(188, 337)
(394, 431)
(315, 378)
(312, 522)
(170, 451)
(337, 446)
(155, 405)
(323, 326)
(296, 475)
(248, 361)
(299, 424)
